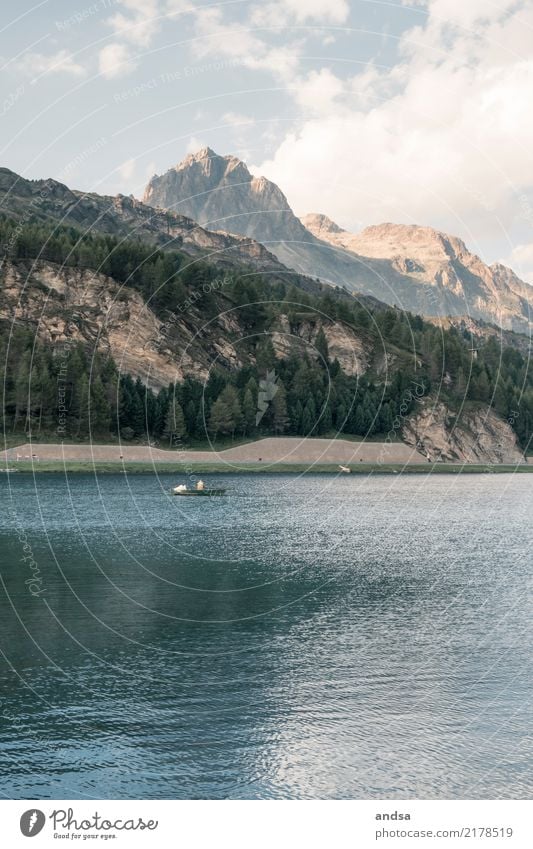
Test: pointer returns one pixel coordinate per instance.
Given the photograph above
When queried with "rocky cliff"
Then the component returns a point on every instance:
(69, 304)
(476, 436)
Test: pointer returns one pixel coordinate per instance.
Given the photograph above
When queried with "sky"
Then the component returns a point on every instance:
(366, 111)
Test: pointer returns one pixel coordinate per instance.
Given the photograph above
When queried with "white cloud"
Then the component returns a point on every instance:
(127, 169)
(60, 62)
(521, 260)
(115, 60)
(140, 23)
(237, 119)
(459, 13)
(195, 144)
(283, 11)
(319, 92)
(216, 37)
(443, 137)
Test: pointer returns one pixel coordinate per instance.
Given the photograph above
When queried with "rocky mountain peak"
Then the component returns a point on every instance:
(318, 223)
(220, 192)
(415, 267)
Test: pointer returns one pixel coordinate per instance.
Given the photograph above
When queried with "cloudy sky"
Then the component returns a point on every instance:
(367, 111)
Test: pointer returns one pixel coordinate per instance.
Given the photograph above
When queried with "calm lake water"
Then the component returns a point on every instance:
(313, 637)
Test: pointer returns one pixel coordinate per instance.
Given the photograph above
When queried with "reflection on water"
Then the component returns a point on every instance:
(300, 638)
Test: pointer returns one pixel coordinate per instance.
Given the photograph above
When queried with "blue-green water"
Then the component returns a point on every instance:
(299, 638)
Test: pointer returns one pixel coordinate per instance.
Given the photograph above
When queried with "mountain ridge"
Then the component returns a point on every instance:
(220, 191)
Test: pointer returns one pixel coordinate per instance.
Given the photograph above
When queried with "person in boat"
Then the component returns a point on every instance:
(180, 488)
(200, 485)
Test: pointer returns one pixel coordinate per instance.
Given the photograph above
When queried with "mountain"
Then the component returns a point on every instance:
(443, 265)
(83, 296)
(121, 216)
(64, 307)
(415, 268)
(220, 193)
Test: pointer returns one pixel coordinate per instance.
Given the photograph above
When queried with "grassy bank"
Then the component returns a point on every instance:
(183, 469)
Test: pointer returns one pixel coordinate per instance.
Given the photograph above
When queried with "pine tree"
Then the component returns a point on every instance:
(175, 422)
(99, 409)
(280, 419)
(83, 406)
(22, 387)
(190, 417)
(483, 387)
(226, 413)
(249, 409)
(265, 355)
(321, 345)
(309, 417)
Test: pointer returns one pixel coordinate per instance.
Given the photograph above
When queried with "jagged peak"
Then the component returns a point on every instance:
(207, 154)
(317, 221)
(389, 227)
(195, 156)
(417, 234)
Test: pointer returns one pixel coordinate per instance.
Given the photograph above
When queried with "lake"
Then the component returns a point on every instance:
(300, 638)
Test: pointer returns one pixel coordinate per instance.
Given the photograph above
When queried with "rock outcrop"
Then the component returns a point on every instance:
(344, 345)
(478, 436)
(67, 304)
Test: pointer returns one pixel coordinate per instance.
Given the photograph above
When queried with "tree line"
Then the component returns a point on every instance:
(299, 395)
(311, 394)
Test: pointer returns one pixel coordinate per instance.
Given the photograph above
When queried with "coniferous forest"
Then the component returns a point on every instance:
(312, 396)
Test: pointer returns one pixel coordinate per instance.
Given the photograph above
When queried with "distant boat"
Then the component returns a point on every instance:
(199, 490)
(345, 469)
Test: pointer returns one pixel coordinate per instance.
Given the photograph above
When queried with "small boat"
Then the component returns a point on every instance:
(200, 489)
(198, 492)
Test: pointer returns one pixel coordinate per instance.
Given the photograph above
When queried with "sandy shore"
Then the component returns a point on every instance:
(271, 451)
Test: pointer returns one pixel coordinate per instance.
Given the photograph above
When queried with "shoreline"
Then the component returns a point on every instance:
(271, 455)
(187, 469)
